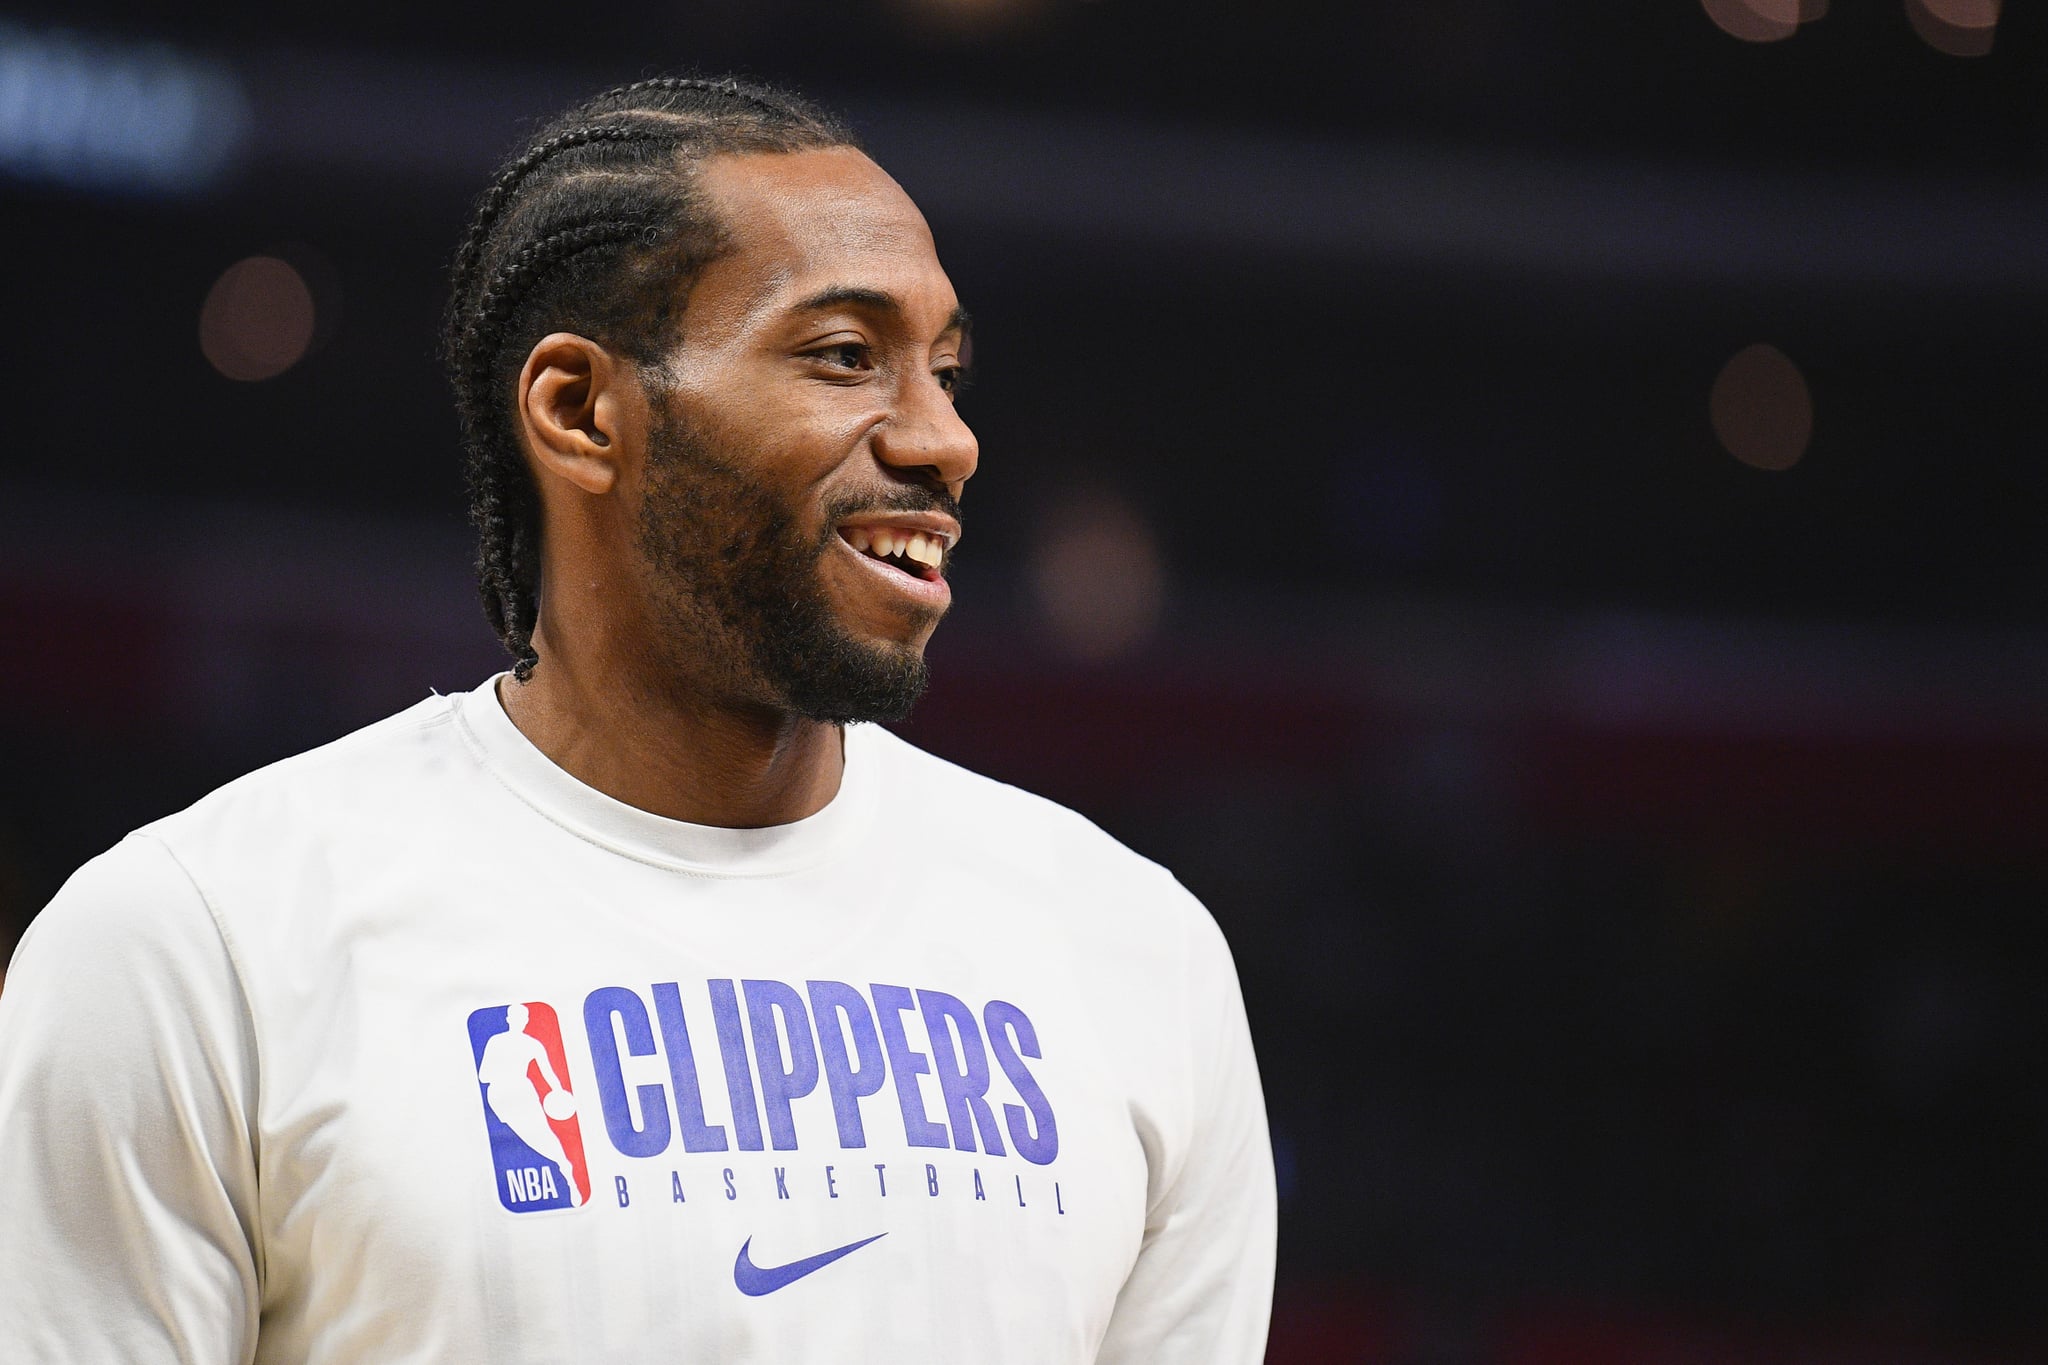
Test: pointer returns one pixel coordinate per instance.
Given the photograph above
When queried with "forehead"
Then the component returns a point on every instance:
(797, 222)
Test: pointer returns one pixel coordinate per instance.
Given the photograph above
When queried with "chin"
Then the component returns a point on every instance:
(847, 681)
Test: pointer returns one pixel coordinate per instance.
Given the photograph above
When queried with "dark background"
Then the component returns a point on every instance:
(1633, 856)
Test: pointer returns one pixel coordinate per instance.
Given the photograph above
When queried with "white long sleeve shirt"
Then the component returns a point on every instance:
(414, 1048)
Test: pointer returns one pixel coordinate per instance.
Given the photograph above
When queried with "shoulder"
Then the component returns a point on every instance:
(1039, 844)
(281, 838)
(349, 774)
(128, 938)
(963, 805)
(135, 897)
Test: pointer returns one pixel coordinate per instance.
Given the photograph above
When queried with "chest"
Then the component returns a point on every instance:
(581, 1133)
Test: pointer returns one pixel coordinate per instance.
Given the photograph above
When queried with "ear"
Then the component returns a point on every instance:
(582, 412)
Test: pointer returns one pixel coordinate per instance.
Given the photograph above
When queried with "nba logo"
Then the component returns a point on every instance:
(536, 1142)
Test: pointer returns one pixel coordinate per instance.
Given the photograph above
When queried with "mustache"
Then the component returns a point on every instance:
(906, 498)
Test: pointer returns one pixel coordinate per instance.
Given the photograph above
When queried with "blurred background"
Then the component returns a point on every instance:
(1535, 512)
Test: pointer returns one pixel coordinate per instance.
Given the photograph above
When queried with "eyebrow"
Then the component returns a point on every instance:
(842, 294)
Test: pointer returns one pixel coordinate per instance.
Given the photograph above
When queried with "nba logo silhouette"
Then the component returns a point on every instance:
(529, 1111)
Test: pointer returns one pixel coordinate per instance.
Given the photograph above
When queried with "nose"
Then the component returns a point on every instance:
(927, 434)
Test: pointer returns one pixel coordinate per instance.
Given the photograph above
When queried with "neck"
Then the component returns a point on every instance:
(672, 755)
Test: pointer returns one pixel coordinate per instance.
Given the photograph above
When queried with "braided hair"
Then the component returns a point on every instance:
(596, 228)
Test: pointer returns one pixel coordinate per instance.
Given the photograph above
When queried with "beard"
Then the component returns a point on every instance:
(740, 589)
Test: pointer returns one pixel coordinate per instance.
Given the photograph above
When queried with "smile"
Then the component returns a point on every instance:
(904, 552)
(917, 553)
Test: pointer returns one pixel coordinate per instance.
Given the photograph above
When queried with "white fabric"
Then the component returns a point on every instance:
(264, 1068)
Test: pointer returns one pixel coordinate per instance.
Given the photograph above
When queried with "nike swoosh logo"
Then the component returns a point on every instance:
(756, 1280)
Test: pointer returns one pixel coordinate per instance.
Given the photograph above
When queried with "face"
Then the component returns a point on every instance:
(800, 497)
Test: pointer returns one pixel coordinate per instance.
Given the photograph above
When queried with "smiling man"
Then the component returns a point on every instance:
(642, 1004)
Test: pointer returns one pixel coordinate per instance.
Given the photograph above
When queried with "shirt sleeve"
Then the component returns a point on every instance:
(1202, 1287)
(127, 1102)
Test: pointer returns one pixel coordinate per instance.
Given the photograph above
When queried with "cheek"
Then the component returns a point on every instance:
(793, 436)
(802, 434)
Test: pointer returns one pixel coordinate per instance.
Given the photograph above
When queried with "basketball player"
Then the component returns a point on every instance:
(861, 1057)
(510, 1095)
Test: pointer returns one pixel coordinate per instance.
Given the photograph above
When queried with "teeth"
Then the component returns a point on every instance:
(884, 542)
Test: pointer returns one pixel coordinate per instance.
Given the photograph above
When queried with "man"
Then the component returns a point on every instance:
(641, 1005)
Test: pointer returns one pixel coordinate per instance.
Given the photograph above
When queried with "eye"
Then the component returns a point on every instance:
(952, 378)
(845, 355)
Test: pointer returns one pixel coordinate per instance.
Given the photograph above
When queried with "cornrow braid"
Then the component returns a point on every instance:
(507, 512)
(494, 198)
(769, 102)
(595, 227)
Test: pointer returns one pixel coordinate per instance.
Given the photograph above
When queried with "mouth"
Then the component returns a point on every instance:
(916, 552)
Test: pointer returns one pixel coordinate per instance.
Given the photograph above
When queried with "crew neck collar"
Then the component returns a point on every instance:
(710, 850)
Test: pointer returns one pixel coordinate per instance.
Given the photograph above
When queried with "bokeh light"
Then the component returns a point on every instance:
(1740, 19)
(1964, 13)
(128, 117)
(1097, 577)
(1763, 21)
(1761, 409)
(1960, 28)
(257, 321)
(1789, 11)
